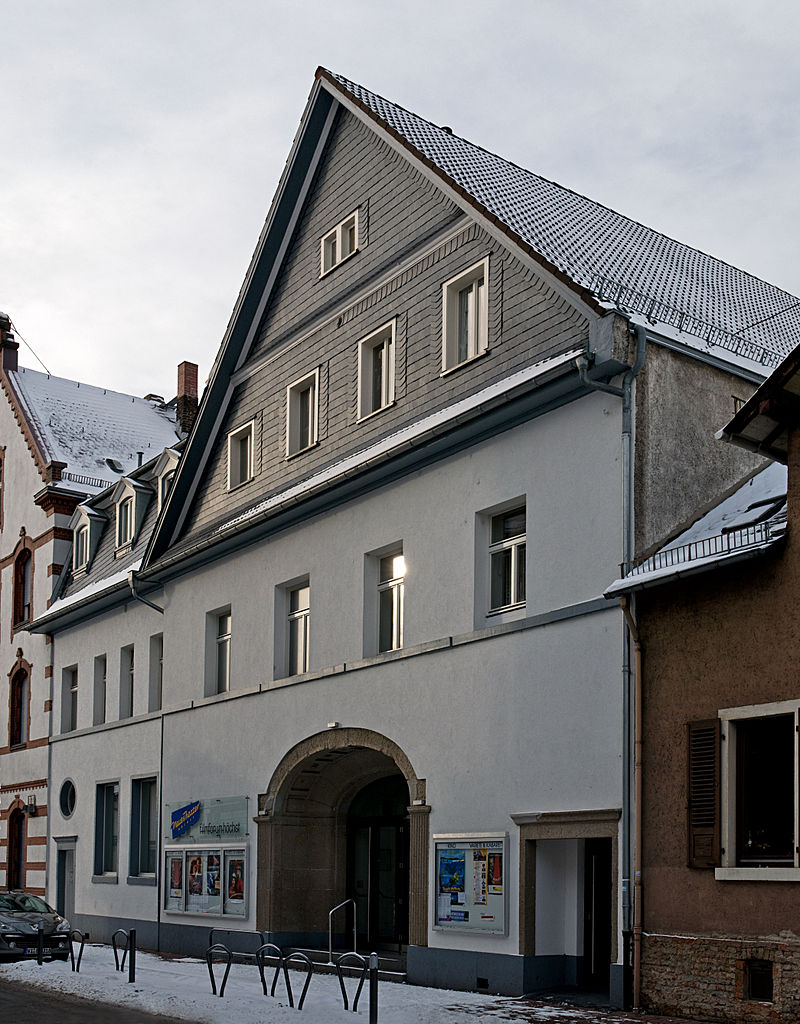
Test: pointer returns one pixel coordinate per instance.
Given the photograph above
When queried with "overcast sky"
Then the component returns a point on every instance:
(142, 141)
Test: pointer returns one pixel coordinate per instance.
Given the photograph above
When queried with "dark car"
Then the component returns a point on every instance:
(22, 917)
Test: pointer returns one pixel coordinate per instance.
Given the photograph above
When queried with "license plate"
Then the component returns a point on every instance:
(33, 951)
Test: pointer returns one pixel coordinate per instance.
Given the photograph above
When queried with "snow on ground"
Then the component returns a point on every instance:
(181, 988)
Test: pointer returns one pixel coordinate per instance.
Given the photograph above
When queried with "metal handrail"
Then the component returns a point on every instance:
(330, 928)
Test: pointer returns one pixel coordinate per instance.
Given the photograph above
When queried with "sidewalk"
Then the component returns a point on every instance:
(181, 988)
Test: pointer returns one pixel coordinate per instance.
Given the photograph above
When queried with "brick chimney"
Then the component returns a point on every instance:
(9, 346)
(187, 396)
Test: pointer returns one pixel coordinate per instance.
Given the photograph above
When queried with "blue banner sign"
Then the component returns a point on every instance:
(184, 817)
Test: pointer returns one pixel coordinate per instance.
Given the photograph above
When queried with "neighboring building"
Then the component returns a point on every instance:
(60, 441)
(451, 399)
(718, 632)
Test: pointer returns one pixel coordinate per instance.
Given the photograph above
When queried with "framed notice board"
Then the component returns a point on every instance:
(471, 884)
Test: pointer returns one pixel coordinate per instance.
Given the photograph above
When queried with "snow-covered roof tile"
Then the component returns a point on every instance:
(84, 426)
(600, 250)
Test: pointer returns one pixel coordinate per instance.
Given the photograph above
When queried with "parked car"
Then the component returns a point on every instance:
(22, 917)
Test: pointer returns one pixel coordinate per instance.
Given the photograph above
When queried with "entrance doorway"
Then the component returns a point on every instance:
(15, 874)
(377, 862)
(597, 913)
(65, 883)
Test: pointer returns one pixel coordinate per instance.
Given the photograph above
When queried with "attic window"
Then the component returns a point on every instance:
(340, 243)
(164, 486)
(80, 553)
(124, 522)
(465, 308)
(240, 456)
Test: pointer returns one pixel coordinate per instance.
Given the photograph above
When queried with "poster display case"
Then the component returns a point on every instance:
(471, 887)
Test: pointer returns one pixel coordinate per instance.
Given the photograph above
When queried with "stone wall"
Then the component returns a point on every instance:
(710, 978)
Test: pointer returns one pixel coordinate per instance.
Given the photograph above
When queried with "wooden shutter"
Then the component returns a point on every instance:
(704, 794)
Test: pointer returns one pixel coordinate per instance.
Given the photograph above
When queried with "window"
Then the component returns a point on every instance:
(18, 723)
(80, 553)
(299, 606)
(66, 798)
(465, 316)
(507, 560)
(23, 584)
(164, 486)
(301, 414)
(126, 675)
(124, 522)
(100, 671)
(391, 587)
(223, 660)
(156, 672)
(106, 829)
(339, 243)
(743, 792)
(144, 826)
(69, 699)
(376, 371)
(240, 456)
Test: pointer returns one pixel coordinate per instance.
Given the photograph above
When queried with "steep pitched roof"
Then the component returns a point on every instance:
(611, 256)
(81, 426)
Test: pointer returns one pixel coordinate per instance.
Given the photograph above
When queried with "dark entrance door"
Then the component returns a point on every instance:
(597, 913)
(377, 862)
(16, 850)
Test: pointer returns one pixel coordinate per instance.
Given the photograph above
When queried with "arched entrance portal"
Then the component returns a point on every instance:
(344, 817)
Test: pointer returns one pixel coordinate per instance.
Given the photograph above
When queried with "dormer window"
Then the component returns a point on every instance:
(80, 551)
(124, 522)
(240, 456)
(339, 243)
(164, 486)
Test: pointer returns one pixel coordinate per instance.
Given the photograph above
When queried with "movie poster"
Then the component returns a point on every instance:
(235, 882)
(496, 873)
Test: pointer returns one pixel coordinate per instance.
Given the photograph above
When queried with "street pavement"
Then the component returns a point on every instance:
(24, 1004)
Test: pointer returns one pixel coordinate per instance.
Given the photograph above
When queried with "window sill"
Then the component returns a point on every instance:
(464, 362)
(375, 412)
(302, 451)
(242, 483)
(123, 549)
(338, 263)
(141, 879)
(786, 874)
(105, 879)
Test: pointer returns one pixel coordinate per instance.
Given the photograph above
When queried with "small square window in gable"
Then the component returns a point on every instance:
(339, 243)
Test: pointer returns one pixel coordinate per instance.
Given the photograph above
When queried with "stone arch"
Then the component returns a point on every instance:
(302, 830)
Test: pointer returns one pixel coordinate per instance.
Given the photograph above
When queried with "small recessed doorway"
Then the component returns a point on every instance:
(16, 850)
(377, 862)
(597, 914)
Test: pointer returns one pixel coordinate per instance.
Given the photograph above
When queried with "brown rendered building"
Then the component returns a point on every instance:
(716, 612)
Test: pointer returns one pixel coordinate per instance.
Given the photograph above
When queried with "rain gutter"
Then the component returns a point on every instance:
(625, 392)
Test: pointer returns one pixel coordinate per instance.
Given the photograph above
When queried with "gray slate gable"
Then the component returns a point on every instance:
(607, 254)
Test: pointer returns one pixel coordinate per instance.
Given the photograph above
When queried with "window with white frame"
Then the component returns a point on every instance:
(124, 522)
(339, 243)
(80, 554)
(69, 699)
(126, 677)
(164, 486)
(100, 678)
(376, 371)
(223, 652)
(391, 596)
(106, 829)
(144, 827)
(156, 680)
(465, 308)
(240, 456)
(507, 559)
(299, 601)
(301, 413)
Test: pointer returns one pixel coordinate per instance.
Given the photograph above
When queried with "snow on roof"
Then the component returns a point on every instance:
(614, 257)
(750, 520)
(84, 426)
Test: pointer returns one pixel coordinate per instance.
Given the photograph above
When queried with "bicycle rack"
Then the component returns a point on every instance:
(119, 931)
(309, 972)
(364, 967)
(76, 936)
(218, 947)
(261, 956)
(330, 928)
(262, 937)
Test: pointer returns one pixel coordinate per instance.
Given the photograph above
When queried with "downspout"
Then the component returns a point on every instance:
(138, 597)
(626, 394)
(637, 805)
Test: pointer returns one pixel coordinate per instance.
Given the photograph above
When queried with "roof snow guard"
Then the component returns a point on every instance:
(616, 259)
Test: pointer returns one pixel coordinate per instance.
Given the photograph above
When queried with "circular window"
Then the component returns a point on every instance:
(67, 798)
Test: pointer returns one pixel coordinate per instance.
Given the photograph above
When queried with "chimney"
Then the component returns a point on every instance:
(187, 396)
(9, 346)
